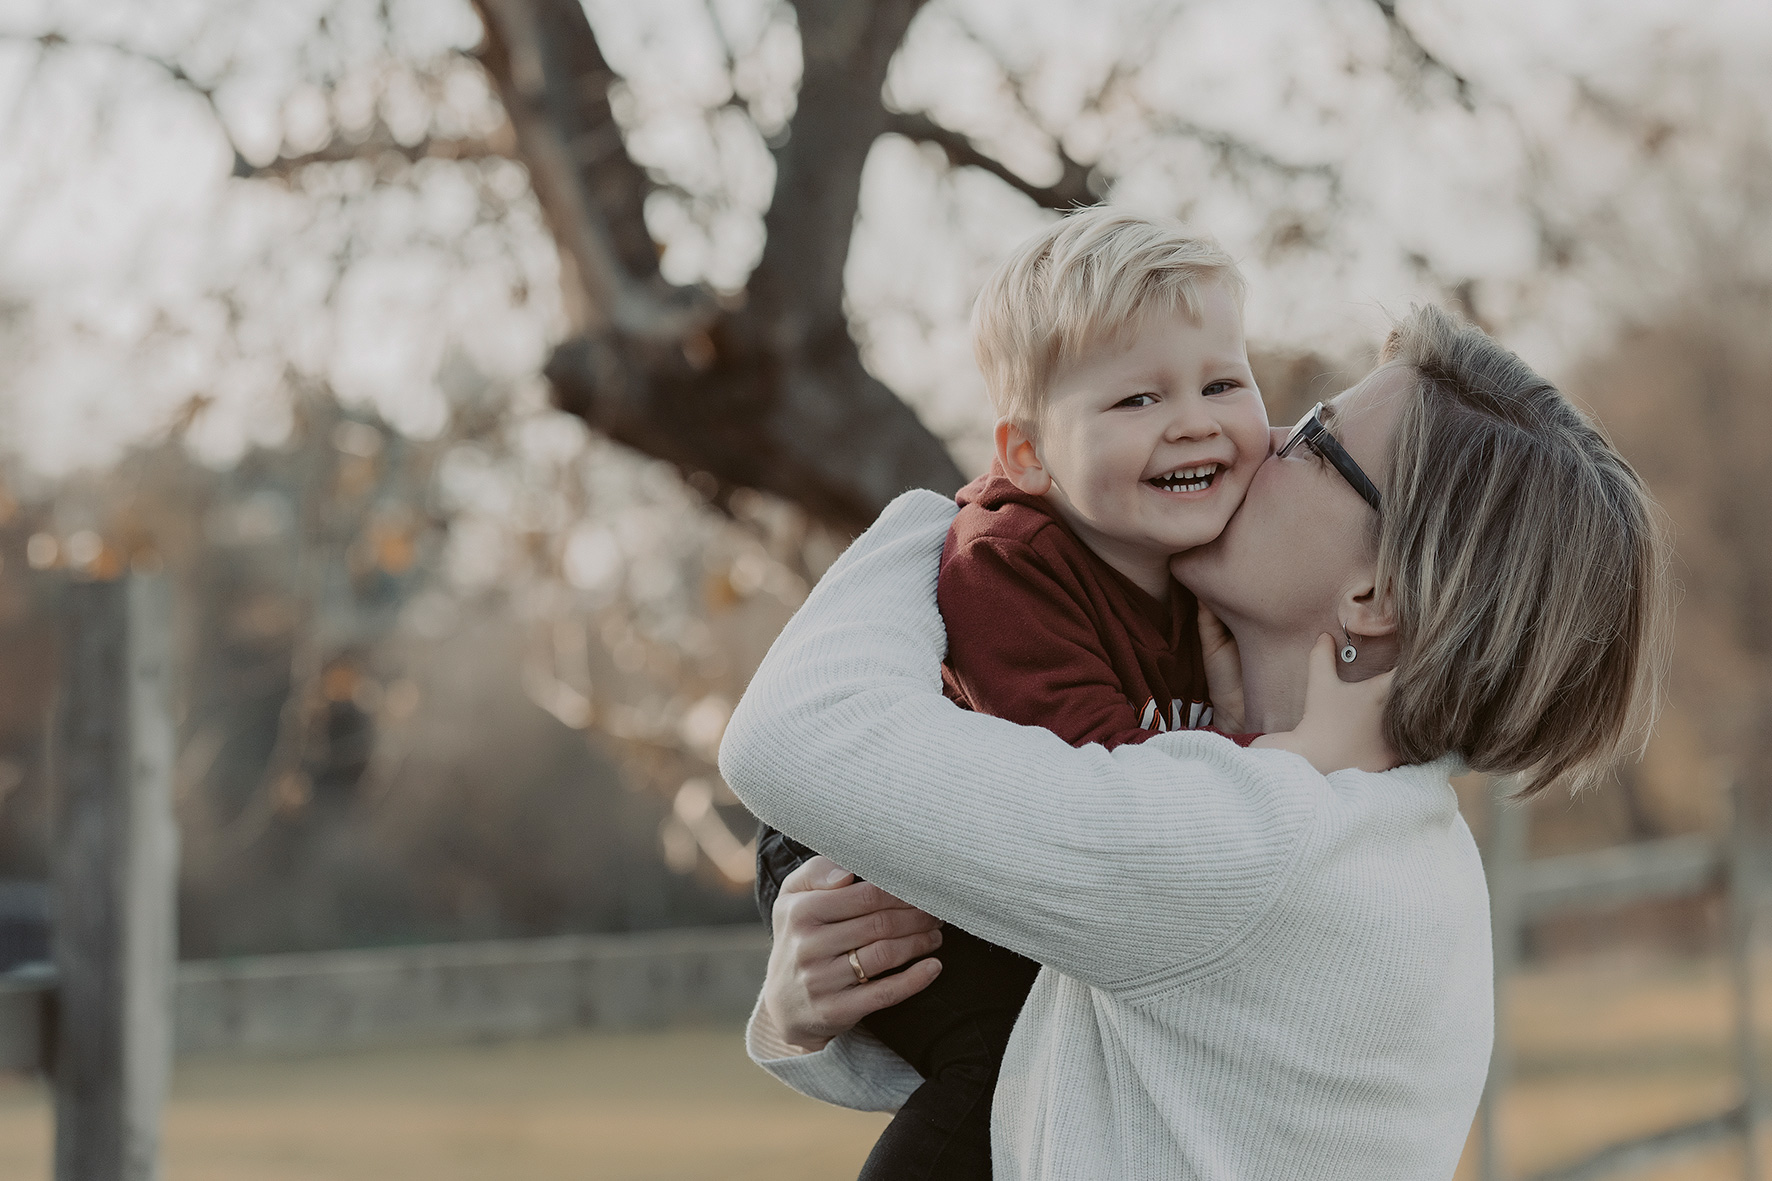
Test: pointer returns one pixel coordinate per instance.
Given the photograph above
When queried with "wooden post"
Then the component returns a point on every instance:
(115, 871)
(1504, 863)
(1741, 881)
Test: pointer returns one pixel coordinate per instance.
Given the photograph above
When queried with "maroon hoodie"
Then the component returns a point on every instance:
(1044, 633)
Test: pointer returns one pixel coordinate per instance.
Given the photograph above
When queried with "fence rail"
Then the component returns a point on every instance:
(1675, 867)
(1522, 890)
(26, 1022)
(1653, 1148)
(508, 988)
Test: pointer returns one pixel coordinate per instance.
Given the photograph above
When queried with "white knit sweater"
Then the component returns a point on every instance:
(1252, 971)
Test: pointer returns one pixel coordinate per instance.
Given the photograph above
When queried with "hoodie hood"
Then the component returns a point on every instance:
(994, 490)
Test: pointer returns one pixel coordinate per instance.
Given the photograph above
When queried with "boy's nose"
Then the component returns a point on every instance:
(1192, 420)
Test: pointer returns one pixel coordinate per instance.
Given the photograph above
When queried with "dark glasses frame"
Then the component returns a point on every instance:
(1313, 434)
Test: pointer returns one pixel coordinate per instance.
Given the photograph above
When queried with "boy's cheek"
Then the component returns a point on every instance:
(1253, 441)
(1243, 475)
(1252, 428)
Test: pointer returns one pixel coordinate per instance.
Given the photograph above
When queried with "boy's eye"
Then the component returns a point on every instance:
(1219, 387)
(1137, 400)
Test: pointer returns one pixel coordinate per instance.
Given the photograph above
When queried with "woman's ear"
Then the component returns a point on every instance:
(1369, 623)
(1019, 458)
(1367, 610)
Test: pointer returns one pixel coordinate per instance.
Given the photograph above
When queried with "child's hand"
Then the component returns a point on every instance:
(1343, 721)
(1224, 673)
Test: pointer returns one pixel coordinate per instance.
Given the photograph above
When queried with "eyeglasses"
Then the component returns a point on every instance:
(1313, 434)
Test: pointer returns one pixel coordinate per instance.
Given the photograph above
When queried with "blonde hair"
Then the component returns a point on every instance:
(1527, 565)
(1080, 284)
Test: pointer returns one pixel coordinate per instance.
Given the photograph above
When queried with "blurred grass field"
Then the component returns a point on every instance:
(683, 1103)
(1604, 1051)
(1607, 1050)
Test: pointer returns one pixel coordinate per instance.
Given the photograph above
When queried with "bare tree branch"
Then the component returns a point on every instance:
(377, 142)
(1650, 132)
(1119, 90)
(769, 395)
(1422, 57)
(845, 47)
(554, 84)
(1233, 151)
(1071, 190)
(1116, 95)
(176, 73)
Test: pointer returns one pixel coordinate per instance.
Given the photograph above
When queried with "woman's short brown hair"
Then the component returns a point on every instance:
(1527, 565)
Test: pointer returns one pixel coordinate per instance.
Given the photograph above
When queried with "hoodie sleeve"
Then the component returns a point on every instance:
(1021, 647)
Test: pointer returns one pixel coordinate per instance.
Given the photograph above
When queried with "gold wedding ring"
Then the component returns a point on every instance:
(861, 977)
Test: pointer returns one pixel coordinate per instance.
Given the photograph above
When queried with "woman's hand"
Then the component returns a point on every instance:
(1343, 723)
(1224, 672)
(811, 993)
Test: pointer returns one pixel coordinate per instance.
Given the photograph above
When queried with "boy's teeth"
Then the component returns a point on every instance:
(1187, 479)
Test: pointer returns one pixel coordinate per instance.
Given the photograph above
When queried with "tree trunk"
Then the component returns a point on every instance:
(772, 395)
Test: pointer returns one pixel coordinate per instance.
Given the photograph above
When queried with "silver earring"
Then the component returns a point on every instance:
(1347, 651)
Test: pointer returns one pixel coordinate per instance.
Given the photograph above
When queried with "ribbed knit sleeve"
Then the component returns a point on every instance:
(854, 1070)
(845, 741)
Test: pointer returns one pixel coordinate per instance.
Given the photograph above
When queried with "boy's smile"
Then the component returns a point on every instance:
(1193, 479)
(1146, 445)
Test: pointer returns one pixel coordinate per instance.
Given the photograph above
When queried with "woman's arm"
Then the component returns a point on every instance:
(1112, 868)
(802, 1030)
(853, 1070)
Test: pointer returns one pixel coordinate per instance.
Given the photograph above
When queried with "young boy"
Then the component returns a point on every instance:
(1130, 426)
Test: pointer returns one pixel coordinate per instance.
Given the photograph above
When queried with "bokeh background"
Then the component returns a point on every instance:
(493, 379)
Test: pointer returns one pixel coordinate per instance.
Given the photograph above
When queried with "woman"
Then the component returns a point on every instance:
(1251, 969)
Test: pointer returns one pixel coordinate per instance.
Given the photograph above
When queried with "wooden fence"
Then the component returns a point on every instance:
(457, 991)
(105, 1017)
(1522, 890)
(104, 1029)
(102, 1021)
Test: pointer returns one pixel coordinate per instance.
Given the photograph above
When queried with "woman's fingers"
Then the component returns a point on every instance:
(874, 927)
(829, 893)
(852, 1004)
(841, 903)
(881, 957)
(832, 977)
(815, 873)
(814, 896)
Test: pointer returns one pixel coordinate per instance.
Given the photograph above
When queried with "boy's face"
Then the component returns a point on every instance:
(1150, 446)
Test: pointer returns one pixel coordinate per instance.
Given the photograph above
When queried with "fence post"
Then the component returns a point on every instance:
(1741, 879)
(115, 871)
(1503, 863)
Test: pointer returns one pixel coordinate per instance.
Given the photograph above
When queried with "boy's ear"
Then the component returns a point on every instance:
(1019, 458)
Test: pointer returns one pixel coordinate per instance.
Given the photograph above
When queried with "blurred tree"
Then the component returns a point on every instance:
(771, 393)
(766, 391)
(739, 236)
(765, 387)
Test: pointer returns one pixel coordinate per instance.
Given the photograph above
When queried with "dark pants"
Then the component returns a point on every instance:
(954, 1032)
